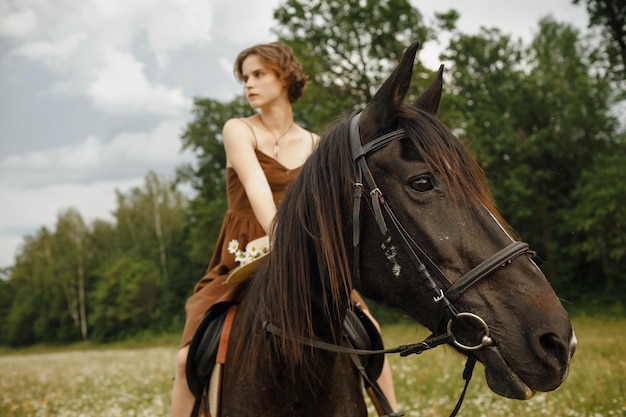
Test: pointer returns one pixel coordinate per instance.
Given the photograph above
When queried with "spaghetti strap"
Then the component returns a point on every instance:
(312, 141)
(251, 129)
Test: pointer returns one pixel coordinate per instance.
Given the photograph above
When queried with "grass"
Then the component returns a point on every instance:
(596, 387)
(135, 380)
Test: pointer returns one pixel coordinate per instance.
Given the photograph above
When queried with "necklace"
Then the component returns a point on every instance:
(276, 139)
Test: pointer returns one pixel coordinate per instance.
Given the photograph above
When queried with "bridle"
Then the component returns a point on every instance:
(444, 295)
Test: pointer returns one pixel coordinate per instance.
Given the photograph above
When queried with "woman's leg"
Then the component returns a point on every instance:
(182, 399)
(385, 382)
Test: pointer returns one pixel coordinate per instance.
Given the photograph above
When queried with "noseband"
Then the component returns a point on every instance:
(443, 297)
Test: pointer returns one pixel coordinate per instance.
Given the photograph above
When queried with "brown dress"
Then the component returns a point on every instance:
(239, 223)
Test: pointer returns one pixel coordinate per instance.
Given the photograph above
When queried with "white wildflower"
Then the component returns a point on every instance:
(241, 257)
(253, 251)
(233, 246)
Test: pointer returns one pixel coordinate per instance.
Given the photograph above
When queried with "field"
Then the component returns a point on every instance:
(137, 381)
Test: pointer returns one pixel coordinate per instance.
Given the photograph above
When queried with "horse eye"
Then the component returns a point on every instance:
(422, 184)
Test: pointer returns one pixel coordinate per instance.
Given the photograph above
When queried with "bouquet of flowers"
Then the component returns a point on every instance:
(254, 249)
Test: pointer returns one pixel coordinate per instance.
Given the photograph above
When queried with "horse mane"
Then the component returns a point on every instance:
(309, 258)
(309, 267)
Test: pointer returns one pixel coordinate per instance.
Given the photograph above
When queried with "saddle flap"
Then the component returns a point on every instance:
(362, 334)
(204, 347)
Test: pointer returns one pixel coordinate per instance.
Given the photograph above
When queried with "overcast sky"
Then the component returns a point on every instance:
(95, 93)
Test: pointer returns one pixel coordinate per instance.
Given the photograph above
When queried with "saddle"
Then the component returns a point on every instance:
(207, 354)
(208, 345)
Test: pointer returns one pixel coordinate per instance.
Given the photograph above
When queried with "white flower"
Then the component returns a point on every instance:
(241, 257)
(233, 246)
(254, 249)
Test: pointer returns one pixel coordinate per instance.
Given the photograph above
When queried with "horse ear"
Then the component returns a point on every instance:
(430, 98)
(385, 105)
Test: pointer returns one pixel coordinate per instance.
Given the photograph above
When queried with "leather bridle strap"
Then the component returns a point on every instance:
(359, 154)
(486, 268)
(383, 214)
(404, 350)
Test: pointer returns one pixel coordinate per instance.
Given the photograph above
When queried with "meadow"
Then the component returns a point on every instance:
(136, 381)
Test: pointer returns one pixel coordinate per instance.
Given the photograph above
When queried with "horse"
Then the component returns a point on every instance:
(393, 205)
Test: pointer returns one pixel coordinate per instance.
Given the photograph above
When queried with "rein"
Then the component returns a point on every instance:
(403, 350)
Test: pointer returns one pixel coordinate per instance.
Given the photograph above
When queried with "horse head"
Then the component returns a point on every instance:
(430, 200)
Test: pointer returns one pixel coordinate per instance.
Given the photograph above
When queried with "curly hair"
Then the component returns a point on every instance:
(280, 58)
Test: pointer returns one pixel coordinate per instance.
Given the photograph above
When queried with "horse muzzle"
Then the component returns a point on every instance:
(545, 369)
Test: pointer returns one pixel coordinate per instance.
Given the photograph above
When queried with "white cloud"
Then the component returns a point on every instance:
(120, 86)
(181, 23)
(245, 22)
(167, 24)
(226, 65)
(17, 24)
(161, 145)
(45, 50)
(97, 48)
(125, 155)
(56, 56)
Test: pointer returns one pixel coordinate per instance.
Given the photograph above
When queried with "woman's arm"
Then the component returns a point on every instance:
(240, 155)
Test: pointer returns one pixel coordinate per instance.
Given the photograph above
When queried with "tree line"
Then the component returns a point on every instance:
(539, 116)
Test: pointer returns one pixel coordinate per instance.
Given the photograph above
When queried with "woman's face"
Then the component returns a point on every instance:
(261, 84)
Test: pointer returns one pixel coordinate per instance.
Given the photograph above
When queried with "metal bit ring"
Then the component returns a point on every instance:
(486, 339)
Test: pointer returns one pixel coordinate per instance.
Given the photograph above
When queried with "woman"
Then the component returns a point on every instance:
(264, 153)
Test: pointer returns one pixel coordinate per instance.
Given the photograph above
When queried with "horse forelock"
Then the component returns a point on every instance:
(444, 152)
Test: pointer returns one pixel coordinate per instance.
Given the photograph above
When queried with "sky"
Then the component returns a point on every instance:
(94, 94)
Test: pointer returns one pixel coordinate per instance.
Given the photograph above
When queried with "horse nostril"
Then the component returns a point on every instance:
(554, 349)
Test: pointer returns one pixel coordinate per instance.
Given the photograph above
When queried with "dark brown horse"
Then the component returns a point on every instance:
(403, 215)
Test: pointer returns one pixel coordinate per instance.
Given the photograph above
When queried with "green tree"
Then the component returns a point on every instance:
(70, 262)
(348, 48)
(152, 226)
(125, 299)
(35, 294)
(7, 294)
(535, 116)
(148, 218)
(610, 17)
(600, 217)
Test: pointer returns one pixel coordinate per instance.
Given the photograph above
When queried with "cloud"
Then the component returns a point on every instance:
(167, 32)
(254, 23)
(127, 155)
(17, 24)
(98, 49)
(120, 86)
(51, 51)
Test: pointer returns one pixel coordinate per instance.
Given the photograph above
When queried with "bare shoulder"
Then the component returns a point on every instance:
(236, 129)
(314, 137)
